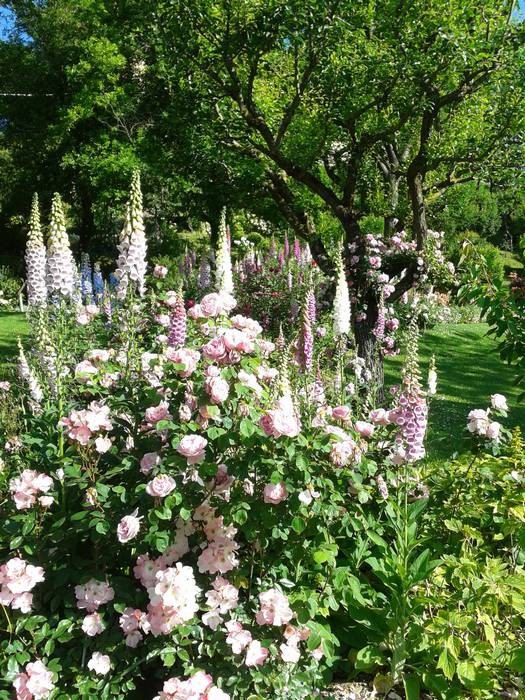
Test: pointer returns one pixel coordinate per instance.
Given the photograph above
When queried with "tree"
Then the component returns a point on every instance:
(333, 99)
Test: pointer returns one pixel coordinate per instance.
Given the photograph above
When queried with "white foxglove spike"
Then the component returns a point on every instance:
(61, 271)
(131, 263)
(223, 272)
(342, 310)
(35, 259)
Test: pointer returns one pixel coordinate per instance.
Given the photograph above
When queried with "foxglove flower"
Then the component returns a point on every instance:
(98, 283)
(36, 259)
(432, 377)
(26, 373)
(341, 301)
(223, 271)
(306, 340)
(297, 250)
(131, 263)
(411, 412)
(86, 279)
(177, 332)
(61, 270)
(204, 278)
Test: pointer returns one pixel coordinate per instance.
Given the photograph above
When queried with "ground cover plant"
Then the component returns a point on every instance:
(194, 509)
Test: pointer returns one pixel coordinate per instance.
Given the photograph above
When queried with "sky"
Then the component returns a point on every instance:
(6, 18)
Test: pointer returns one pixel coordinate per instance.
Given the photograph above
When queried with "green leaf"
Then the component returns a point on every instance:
(446, 664)
(299, 525)
(368, 658)
(466, 671)
(517, 660)
(412, 687)
(246, 428)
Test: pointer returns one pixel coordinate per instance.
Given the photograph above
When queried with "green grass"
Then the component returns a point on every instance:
(12, 325)
(469, 371)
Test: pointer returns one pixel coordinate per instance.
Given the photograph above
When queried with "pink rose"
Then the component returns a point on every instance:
(364, 429)
(275, 493)
(99, 663)
(341, 413)
(289, 653)
(128, 527)
(499, 402)
(102, 444)
(154, 414)
(218, 389)
(196, 312)
(256, 654)
(235, 339)
(159, 271)
(211, 305)
(275, 609)
(192, 447)
(36, 682)
(185, 357)
(148, 461)
(161, 486)
(215, 349)
(92, 624)
(379, 416)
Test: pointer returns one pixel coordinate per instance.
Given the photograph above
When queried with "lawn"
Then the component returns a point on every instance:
(12, 326)
(469, 371)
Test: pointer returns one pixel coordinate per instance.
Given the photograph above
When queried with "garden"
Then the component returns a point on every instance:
(261, 420)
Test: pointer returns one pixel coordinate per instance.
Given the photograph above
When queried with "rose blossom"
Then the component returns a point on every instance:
(364, 429)
(379, 416)
(256, 654)
(160, 486)
(186, 357)
(159, 271)
(238, 638)
(275, 493)
(341, 412)
(192, 447)
(92, 624)
(36, 682)
(128, 527)
(99, 663)
(154, 414)
(499, 402)
(275, 609)
(148, 461)
(218, 389)
(289, 653)
(102, 444)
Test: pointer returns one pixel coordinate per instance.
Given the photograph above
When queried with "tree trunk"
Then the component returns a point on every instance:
(368, 348)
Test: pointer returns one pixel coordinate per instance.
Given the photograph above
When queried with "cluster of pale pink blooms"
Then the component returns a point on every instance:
(26, 487)
(480, 422)
(198, 687)
(17, 579)
(35, 682)
(82, 424)
(90, 596)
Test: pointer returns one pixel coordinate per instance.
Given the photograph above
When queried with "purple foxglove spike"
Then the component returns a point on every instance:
(286, 247)
(312, 306)
(297, 250)
(177, 331)
(280, 259)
